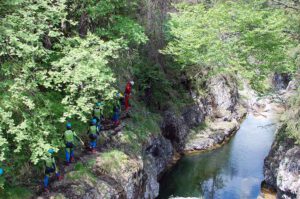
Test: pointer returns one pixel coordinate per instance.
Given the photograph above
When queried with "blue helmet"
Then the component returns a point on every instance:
(1, 171)
(119, 95)
(99, 104)
(94, 121)
(69, 125)
(51, 151)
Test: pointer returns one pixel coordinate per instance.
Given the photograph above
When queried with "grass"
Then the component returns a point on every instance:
(15, 193)
(142, 125)
(113, 160)
(81, 171)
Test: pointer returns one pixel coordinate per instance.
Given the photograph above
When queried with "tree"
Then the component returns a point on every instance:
(49, 74)
(248, 37)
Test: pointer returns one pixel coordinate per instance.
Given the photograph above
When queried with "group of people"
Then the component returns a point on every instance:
(93, 132)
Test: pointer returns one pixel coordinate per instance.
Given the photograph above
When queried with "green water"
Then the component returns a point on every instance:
(234, 171)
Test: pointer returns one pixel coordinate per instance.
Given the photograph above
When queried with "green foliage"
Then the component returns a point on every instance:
(50, 75)
(143, 124)
(292, 118)
(248, 37)
(152, 82)
(126, 28)
(16, 193)
(82, 74)
(81, 171)
(113, 160)
(113, 19)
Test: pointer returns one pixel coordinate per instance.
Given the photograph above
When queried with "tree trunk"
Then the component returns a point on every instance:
(83, 25)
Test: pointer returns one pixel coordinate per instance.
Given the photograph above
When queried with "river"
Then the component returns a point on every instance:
(234, 171)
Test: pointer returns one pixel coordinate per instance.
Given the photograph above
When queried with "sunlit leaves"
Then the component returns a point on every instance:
(83, 74)
(41, 88)
(236, 35)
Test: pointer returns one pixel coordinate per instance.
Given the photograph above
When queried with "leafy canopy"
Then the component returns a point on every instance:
(248, 37)
(49, 74)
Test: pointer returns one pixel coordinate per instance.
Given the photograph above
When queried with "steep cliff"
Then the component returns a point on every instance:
(125, 175)
(281, 167)
(224, 112)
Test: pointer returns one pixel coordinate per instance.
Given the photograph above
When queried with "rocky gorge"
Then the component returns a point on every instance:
(207, 83)
(207, 123)
(218, 115)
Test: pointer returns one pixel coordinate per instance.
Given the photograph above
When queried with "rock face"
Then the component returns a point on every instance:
(137, 177)
(221, 105)
(282, 167)
(214, 133)
(157, 155)
(281, 81)
(176, 127)
(99, 179)
(224, 112)
(223, 94)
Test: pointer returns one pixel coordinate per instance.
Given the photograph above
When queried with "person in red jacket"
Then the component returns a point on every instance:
(128, 93)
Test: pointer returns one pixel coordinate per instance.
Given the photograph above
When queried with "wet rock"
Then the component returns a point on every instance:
(176, 127)
(282, 167)
(292, 86)
(193, 115)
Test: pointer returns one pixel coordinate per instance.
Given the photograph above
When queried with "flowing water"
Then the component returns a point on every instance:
(234, 171)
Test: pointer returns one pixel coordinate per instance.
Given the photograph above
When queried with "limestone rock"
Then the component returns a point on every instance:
(223, 92)
(282, 167)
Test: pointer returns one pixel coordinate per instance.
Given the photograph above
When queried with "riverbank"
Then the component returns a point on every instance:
(260, 109)
(233, 171)
(281, 166)
(117, 172)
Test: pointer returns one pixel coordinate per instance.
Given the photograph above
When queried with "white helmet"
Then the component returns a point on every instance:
(131, 82)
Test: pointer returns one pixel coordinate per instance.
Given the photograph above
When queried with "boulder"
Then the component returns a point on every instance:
(215, 133)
